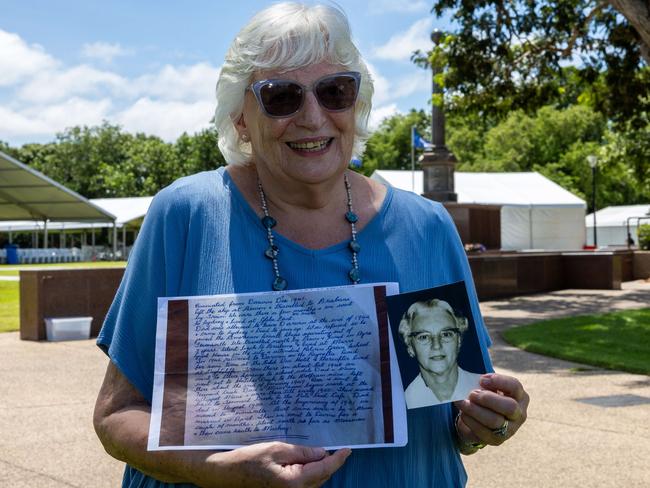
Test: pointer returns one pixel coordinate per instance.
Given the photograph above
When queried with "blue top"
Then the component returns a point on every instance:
(200, 237)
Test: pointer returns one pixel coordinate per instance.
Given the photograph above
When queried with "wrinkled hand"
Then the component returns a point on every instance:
(501, 398)
(276, 464)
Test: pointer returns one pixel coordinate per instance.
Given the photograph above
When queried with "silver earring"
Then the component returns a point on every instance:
(245, 138)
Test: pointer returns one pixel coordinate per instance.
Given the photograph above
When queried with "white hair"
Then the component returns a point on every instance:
(286, 36)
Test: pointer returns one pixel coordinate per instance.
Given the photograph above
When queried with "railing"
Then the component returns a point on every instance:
(73, 255)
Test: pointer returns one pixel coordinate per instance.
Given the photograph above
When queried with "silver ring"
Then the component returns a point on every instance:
(501, 431)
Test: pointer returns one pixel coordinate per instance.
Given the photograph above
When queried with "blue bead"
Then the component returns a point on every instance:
(271, 251)
(268, 222)
(351, 217)
(279, 283)
(354, 246)
(354, 275)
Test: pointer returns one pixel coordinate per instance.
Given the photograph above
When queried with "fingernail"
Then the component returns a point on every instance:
(486, 380)
(347, 454)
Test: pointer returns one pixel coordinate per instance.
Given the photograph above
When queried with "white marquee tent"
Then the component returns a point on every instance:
(611, 224)
(127, 211)
(536, 213)
(128, 214)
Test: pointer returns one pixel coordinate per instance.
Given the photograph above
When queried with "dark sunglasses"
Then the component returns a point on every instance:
(283, 98)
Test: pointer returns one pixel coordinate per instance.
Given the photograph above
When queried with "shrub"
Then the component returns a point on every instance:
(644, 237)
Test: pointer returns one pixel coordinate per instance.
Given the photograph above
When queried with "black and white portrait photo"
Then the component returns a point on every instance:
(438, 352)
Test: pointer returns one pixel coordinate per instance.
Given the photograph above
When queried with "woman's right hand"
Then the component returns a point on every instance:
(122, 418)
(275, 464)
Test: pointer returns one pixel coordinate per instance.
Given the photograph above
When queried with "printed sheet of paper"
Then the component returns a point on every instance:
(311, 367)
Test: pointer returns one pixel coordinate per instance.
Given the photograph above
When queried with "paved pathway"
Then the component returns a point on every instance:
(47, 392)
(566, 442)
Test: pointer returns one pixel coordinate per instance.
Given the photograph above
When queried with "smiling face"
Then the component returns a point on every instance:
(311, 146)
(435, 341)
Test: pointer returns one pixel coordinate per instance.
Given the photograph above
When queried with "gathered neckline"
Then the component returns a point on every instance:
(251, 214)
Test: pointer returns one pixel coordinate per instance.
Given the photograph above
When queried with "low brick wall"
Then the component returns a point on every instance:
(90, 292)
(65, 293)
(499, 275)
(641, 265)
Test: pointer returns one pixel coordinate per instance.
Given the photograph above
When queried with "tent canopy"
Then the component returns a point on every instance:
(611, 222)
(617, 216)
(26, 194)
(127, 211)
(514, 189)
(536, 213)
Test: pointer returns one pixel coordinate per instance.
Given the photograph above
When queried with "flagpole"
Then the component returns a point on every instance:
(413, 158)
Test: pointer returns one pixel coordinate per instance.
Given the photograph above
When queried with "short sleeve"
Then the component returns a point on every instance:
(154, 270)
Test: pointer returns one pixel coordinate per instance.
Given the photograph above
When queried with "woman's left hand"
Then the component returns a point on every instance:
(501, 401)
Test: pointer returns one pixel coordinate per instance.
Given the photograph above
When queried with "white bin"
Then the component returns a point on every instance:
(67, 328)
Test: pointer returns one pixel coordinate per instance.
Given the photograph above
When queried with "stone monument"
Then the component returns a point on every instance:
(438, 163)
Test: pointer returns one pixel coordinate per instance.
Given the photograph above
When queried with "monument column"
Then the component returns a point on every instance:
(438, 164)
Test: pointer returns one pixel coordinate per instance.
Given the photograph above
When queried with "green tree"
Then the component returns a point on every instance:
(509, 55)
(389, 147)
(198, 152)
(104, 161)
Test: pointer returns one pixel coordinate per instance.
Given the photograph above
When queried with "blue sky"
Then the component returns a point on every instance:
(151, 66)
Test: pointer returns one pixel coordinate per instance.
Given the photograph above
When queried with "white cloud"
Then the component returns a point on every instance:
(18, 60)
(379, 114)
(196, 82)
(406, 6)
(82, 80)
(418, 81)
(381, 84)
(400, 46)
(166, 119)
(390, 90)
(38, 120)
(103, 51)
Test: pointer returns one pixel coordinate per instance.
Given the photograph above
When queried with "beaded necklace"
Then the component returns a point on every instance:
(279, 283)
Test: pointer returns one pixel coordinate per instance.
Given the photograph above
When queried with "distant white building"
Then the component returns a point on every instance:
(612, 224)
(536, 213)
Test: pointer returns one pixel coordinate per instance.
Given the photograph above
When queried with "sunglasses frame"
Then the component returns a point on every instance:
(256, 88)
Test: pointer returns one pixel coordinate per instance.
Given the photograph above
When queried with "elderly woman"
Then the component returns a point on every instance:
(293, 102)
(432, 333)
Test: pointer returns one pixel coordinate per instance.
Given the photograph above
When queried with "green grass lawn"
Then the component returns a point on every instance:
(618, 340)
(9, 305)
(9, 290)
(12, 269)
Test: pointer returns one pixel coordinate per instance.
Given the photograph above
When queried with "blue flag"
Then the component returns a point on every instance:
(419, 142)
(356, 163)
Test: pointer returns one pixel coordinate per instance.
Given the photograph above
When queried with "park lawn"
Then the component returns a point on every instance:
(617, 340)
(9, 304)
(9, 290)
(13, 269)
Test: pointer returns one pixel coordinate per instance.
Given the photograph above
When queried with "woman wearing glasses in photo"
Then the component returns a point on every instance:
(293, 99)
(432, 333)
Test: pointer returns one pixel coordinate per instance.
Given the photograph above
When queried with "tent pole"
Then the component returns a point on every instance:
(530, 225)
(114, 239)
(93, 242)
(45, 236)
(124, 241)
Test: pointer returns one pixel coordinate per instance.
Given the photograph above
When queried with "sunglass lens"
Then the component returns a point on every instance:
(281, 98)
(338, 92)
